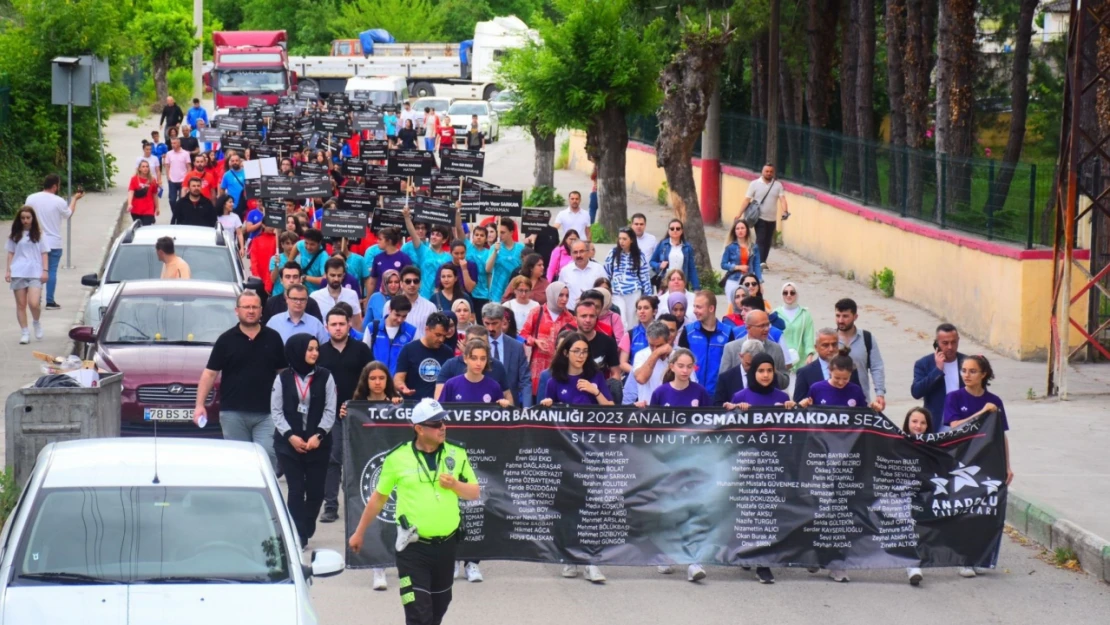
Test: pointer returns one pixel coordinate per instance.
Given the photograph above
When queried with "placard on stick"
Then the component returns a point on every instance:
(462, 162)
(411, 162)
(534, 220)
(273, 214)
(503, 203)
(373, 149)
(433, 211)
(339, 224)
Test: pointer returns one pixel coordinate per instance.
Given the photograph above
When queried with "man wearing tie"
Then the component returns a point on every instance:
(827, 345)
(509, 352)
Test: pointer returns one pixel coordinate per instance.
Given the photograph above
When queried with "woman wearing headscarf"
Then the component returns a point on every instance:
(452, 340)
(674, 282)
(541, 329)
(302, 406)
(389, 286)
(800, 333)
(761, 389)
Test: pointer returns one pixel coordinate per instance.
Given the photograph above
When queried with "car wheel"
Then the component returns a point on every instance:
(423, 89)
(490, 93)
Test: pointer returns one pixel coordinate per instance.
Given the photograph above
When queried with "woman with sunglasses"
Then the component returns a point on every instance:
(675, 253)
(800, 333)
(741, 256)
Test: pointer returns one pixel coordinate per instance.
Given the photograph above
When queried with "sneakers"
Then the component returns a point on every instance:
(379, 579)
(765, 575)
(24, 336)
(53, 306)
(473, 573)
(967, 571)
(695, 573)
(664, 569)
(459, 572)
(38, 330)
(331, 516)
(839, 576)
(570, 571)
(594, 574)
(915, 576)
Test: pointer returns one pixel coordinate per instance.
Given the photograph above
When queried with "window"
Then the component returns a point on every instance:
(250, 81)
(156, 319)
(152, 534)
(140, 262)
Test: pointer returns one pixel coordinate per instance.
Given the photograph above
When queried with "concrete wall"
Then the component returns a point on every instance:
(995, 292)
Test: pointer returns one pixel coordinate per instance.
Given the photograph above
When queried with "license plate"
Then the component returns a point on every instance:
(167, 414)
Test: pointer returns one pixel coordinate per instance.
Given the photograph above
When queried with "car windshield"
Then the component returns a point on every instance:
(160, 319)
(467, 109)
(152, 534)
(250, 81)
(140, 262)
(439, 104)
(374, 97)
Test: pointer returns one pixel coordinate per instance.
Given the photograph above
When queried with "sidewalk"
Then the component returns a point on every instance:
(94, 224)
(1058, 449)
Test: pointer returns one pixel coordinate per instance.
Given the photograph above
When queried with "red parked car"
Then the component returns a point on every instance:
(159, 334)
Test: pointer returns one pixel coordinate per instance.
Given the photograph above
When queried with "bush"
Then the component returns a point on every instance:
(598, 234)
(562, 160)
(180, 81)
(711, 282)
(663, 195)
(9, 493)
(544, 196)
(17, 179)
(883, 281)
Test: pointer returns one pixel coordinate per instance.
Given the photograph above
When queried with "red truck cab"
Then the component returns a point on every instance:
(250, 64)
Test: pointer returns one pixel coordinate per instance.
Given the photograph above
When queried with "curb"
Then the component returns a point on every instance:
(113, 232)
(1045, 527)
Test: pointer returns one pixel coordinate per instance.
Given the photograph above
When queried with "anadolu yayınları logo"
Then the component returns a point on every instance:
(962, 492)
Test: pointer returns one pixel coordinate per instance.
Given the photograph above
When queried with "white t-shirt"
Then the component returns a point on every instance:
(327, 302)
(27, 257)
(647, 244)
(520, 311)
(570, 220)
(951, 376)
(676, 260)
(155, 164)
(51, 210)
(231, 223)
(418, 316)
(769, 207)
(656, 379)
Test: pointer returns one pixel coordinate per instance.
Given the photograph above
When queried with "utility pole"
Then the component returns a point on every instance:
(773, 84)
(198, 52)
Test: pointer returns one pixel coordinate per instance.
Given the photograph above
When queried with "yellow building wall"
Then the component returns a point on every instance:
(999, 300)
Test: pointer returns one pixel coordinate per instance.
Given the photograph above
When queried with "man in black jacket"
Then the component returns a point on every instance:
(291, 273)
(171, 116)
(827, 344)
(194, 209)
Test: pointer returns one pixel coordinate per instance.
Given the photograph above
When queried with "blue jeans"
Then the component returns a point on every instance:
(593, 206)
(429, 144)
(175, 191)
(54, 258)
(240, 425)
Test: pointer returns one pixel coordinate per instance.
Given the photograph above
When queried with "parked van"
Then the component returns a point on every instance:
(388, 90)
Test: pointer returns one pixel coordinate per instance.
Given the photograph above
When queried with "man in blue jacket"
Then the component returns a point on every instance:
(388, 336)
(196, 112)
(706, 338)
(938, 374)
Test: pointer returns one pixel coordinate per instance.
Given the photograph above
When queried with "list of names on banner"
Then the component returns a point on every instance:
(532, 479)
(605, 478)
(759, 482)
(894, 483)
(833, 483)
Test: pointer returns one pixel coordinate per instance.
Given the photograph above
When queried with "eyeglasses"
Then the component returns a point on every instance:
(675, 228)
(296, 299)
(412, 281)
(750, 283)
(580, 352)
(435, 425)
(523, 290)
(789, 292)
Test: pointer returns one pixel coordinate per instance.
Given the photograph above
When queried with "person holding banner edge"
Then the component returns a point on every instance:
(430, 475)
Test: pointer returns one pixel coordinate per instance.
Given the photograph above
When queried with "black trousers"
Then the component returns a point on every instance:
(304, 476)
(427, 573)
(765, 237)
(335, 469)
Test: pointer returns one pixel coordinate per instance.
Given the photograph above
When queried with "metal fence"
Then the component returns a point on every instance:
(959, 193)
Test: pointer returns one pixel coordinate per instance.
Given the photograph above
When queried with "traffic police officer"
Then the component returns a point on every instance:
(430, 476)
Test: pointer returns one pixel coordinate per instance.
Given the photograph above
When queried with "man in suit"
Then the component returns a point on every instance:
(510, 352)
(759, 327)
(938, 374)
(827, 344)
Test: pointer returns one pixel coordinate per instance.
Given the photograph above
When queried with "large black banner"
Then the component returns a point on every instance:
(628, 486)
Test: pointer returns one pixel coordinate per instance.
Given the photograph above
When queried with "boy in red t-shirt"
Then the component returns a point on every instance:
(445, 135)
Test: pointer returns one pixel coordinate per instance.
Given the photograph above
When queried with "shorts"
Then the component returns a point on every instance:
(26, 283)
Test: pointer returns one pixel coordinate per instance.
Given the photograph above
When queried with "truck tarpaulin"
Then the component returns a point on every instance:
(375, 35)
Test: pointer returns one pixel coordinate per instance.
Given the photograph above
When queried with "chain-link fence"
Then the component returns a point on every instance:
(968, 194)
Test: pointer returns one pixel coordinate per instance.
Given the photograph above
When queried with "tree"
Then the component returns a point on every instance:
(460, 16)
(406, 20)
(1019, 91)
(917, 64)
(849, 64)
(165, 35)
(772, 83)
(895, 25)
(591, 72)
(956, 60)
(687, 82)
(821, 19)
(530, 113)
(865, 95)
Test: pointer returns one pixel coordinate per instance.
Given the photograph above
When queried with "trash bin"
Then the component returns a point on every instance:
(34, 417)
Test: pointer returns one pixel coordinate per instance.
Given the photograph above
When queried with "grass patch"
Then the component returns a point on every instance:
(663, 195)
(882, 281)
(1065, 557)
(562, 159)
(543, 196)
(598, 234)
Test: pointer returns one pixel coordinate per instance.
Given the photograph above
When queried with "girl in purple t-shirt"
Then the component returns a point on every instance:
(761, 389)
(973, 401)
(838, 390)
(574, 377)
(677, 390)
(474, 386)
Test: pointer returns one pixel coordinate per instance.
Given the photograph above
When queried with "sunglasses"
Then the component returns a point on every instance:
(435, 425)
(789, 292)
(410, 281)
(750, 283)
(675, 228)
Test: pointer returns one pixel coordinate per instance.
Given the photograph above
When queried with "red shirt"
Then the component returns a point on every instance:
(143, 205)
(263, 248)
(208, 182)
(446, 136)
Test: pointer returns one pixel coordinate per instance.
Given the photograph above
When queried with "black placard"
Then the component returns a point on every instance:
(368, 120)
(354, 167)
(480, 185)
(384, 185)
(433, 211)
(620, 485)
(411, 162)
(252, 125)
(312, 170)
(284, 138)
(255, 102)
(338, 99)
(386, 218)
(357, 199)
(278, 187)
(267, 111)
(273, 214)
(235, 142)
(252, 190)
(210, 135)
(373, 149)
(308, 90)
(445, 186)
(376, 170)
(335, 124)
(503, 203)
(308, 188)
(261, 150)
(335, 145)
(534, 220)
(471, 201)
(339, 223)
(462, 162)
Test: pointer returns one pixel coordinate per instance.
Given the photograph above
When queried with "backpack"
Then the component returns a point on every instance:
(867, 346)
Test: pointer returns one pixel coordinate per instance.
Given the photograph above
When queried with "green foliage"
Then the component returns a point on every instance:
(460, 17)
(562, 159)
(164, 33)
(305, 22)
(406, 20)
(882, 281)
(663, 195)
(1065, 556)
(180, 81)
(711, 281)
(598, 234)
(17, 179)
(9, 493)
(544, 196)
(229, 12)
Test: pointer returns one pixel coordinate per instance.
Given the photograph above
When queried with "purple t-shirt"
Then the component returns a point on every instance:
(960, 404)
(692, 396)
(568, 393)
(384, 262)
(825, 394)
(461, 390)
(748, 396)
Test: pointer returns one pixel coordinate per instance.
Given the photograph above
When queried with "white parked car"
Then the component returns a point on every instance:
(114, 531)
(209, 255)
(440, 105)
(462, 111)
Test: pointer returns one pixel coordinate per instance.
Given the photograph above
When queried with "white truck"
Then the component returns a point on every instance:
(431, 69)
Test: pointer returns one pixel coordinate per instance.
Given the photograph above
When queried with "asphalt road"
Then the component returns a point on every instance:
(1024, 589)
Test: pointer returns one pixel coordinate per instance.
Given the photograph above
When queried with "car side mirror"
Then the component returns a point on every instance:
(326, 563)
(90, 280)
(83, 334)
(254, 283)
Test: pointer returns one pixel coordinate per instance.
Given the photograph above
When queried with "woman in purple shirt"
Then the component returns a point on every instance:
(474, 386)
(973, 401)
(761, 389)
(838, 390)
(677, 390)
(574, 377)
